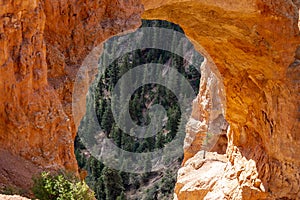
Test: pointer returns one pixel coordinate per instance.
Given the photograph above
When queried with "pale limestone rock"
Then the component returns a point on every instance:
(12, 197)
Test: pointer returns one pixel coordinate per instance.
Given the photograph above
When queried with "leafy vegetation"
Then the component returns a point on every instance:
(111, 184)
(49, 186)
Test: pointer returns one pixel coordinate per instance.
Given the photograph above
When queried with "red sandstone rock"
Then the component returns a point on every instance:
(252, 44)
(42, 45)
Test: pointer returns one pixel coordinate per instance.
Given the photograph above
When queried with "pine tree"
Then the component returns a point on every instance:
(135, 108)
(173, 121)
(113, 183)
(116, 135)
(160, 141)
(95, 167)
(80, 159)
(99, 189)
(150, 140)
(122, 196)
(114, 74)
(107, 120)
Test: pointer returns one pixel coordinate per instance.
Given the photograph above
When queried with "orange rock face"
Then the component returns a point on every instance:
(42, 45)
(252, 47)
(251, 50)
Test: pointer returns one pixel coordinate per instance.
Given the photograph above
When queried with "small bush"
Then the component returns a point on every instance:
(60, 187)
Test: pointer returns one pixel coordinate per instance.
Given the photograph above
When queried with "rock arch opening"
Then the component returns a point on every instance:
(252, 44)
(161, 43)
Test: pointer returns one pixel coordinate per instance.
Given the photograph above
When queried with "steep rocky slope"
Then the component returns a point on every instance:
(42, 45)
(250, 46)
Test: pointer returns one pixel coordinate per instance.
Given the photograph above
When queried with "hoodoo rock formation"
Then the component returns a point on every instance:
(251, 50)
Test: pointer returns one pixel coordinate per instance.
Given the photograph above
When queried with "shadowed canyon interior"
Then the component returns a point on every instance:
(252, 60)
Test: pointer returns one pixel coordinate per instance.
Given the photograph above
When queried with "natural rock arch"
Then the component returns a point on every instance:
(252, 44)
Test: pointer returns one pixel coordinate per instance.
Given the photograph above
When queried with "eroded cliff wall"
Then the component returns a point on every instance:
(252, 48)
(252, 45)
(42, 45)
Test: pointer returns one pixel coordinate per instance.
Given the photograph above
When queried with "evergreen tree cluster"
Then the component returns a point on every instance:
(111, 184)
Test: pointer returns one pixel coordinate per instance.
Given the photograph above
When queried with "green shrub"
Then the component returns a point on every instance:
(60, 187)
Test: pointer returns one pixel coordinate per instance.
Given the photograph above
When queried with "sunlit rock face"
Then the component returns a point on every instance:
(253, 47)
(207, 117)
(42, 45)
